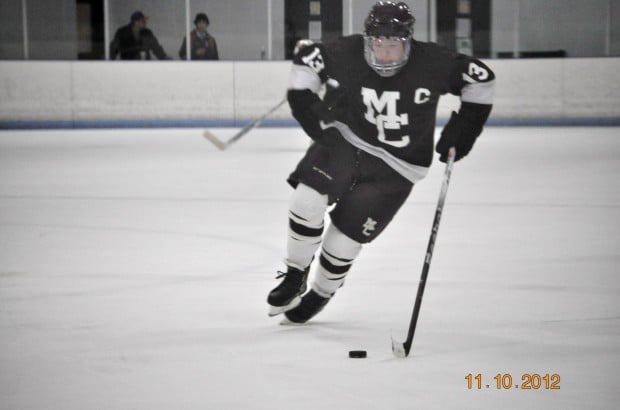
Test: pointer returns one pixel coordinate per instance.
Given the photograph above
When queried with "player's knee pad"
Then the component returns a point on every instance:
(340, 245)
(307, 207)
(337, 255)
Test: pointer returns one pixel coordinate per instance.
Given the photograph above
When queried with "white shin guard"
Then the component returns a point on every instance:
(306, 213)
(337, 255)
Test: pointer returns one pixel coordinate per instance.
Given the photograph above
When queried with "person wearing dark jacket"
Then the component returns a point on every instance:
(136, 42)
(202, 44)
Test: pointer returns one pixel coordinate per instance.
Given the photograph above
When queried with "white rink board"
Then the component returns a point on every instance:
(260, 85)
(129, 90)
(35, 91)
(236, 91)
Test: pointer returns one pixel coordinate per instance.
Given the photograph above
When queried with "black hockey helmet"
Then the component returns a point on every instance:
(388, 25)
(388, 19)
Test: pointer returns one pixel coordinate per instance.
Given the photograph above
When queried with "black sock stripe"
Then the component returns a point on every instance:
(305, 230)
(330, 267)
(304, 240)
(297, 216)
(335, 257)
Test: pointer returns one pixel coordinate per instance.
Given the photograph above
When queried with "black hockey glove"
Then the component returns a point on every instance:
(309, 110)
(462, 130)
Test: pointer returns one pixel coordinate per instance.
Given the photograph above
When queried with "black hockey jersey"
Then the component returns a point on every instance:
(394, 117)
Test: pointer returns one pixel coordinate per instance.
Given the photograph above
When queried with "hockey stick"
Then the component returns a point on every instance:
(255, 123)
(402, 349)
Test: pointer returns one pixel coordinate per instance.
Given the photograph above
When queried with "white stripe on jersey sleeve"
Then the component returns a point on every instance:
(479, 93)
(303, 77)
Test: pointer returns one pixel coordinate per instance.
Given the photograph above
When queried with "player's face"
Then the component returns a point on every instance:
(386, 55)
(388, 50)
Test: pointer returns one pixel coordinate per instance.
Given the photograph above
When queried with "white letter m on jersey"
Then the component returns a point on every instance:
(386, 117)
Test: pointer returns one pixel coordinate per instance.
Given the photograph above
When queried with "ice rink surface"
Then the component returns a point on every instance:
(135, 264)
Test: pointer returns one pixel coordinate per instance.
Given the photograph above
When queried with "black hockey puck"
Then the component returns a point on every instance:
(357, 354)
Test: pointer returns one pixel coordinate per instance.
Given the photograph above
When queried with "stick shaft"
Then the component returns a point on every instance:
(406, 346)
(255, 123)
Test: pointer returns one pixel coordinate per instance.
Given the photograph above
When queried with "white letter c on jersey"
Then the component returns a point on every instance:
(422, 95)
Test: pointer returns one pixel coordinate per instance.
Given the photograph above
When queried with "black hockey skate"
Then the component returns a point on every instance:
(288, 293)
(311, 304)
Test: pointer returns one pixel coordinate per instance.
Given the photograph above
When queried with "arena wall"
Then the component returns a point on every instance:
(78, 94)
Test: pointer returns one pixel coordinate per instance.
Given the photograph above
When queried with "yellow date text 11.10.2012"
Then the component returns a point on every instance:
(525, 381)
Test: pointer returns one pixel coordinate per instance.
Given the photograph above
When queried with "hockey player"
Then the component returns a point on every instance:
(373, 139)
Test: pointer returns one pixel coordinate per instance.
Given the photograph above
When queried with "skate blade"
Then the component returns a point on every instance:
(277, 310)
(287, 322)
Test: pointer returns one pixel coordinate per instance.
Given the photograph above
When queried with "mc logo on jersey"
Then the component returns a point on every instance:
(386, 117)
(369, 226)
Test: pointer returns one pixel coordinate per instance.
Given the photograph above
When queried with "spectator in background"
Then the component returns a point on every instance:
(136, 42)
(202, 44)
